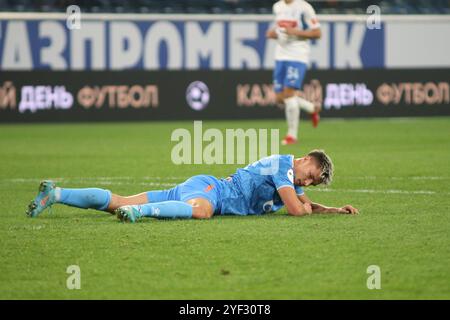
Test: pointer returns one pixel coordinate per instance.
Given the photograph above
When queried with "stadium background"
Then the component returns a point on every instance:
(134, 61)
(223, 45)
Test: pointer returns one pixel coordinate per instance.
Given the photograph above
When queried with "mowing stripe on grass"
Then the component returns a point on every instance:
(13, 180)
(166, 184)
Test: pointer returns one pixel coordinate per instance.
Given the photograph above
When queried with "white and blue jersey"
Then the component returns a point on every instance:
(251, 190)
(291, 52)
(254, 189)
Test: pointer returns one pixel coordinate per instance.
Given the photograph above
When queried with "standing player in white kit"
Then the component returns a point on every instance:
(295, 24)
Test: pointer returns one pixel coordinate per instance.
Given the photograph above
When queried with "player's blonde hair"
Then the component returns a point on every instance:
(325, 164)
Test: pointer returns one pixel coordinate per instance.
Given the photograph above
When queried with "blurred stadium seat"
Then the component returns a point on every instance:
(225, 6)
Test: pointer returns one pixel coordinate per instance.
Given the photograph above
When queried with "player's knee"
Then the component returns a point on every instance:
(279, 98)
(114, 203)
(201, 213)
(288, 92)
(201, 209)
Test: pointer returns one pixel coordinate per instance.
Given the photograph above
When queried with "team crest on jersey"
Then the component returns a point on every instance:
(267, 206)
(290, 175)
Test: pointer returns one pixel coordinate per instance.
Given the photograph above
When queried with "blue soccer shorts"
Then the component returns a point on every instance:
(201, 186)
(288, 74)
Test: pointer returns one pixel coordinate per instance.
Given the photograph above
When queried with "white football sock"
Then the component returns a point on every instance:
(305, 105)
(292, 115)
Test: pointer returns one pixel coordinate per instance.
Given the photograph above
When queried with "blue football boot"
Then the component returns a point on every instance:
(45, 198)
(128, 213)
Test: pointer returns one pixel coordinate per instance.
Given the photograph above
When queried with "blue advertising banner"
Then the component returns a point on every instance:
(110, 44)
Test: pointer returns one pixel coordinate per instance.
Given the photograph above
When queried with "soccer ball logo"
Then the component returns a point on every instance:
(197, 95)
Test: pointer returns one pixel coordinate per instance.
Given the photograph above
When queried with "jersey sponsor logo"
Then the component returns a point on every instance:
(287, 23)
(290, 175)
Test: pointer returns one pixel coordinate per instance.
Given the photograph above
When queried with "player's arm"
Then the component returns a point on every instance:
(292, 203)
(313, 31)
(305, 34)
(320, 208)
(271, 34)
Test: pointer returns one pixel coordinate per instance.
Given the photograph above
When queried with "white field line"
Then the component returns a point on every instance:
(94, 182)
(94, 179)
(394, 178)
(180, 179)
(390, 191)
(161, 184)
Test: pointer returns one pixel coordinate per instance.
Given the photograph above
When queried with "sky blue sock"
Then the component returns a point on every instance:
(91, 198)
(166, 209)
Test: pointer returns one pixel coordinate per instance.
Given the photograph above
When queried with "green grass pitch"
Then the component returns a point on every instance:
(395, 171)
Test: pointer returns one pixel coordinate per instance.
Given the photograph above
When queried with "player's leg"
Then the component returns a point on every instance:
(85, 198)
(160, 210)
(118, 201)
(49, 194)
(278, 79)
(159, 204)
(202, 192)
(301, 69)
(292, 112)
(286, 78)
(195, 198)
(294, 75)
(201, 208)
(197, 208)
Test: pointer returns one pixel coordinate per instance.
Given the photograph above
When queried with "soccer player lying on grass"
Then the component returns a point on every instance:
(262, 187)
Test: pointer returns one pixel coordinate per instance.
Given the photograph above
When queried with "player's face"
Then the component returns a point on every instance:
(307, 172)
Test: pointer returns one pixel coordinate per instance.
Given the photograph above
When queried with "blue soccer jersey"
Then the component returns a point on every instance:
(254, 189)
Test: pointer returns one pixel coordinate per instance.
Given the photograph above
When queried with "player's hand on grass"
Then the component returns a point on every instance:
(308, 208)
(348, 209)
